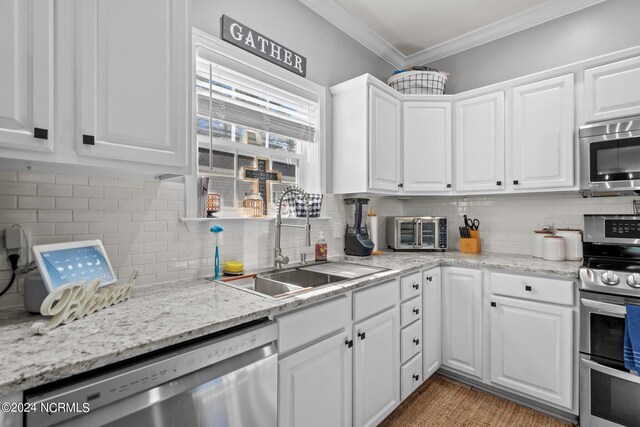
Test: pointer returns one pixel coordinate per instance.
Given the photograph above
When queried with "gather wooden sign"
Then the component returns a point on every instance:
(75, 300)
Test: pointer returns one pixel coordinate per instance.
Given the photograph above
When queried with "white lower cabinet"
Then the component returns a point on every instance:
(431, 322)
(462, 320)
(376, 382)
(315, 384)
(532, 349)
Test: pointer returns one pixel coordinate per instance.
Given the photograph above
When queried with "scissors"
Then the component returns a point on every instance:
(472, 224)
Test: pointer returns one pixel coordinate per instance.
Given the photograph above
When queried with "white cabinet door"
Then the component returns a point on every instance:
(612, 90)
(532, 349)
(427, 146)
(542, 140)
(315, 384)
(462, 320)
(26, 74)
(376, 374)
(431, 322)
(132, 85)
(384, 140)
(479, 143)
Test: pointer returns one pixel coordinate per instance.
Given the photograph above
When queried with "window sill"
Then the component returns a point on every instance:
(204, 224)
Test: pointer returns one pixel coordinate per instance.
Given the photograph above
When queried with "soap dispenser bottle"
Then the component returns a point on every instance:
(321, 248)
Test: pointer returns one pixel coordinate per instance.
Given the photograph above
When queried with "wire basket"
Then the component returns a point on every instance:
(419, 82)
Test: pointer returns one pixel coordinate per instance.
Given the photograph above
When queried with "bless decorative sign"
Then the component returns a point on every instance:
(75, 300)
(254, 42)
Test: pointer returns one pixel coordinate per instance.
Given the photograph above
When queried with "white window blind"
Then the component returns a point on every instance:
(232, 97)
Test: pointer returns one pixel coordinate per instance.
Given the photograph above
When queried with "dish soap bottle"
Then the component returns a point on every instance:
(321, 248)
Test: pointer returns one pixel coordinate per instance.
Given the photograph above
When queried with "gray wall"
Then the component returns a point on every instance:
(332, 56)
(604, 28)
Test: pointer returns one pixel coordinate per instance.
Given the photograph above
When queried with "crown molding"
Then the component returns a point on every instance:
(341, 18)
(338, 16)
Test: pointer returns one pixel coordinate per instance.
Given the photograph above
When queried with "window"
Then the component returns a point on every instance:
(243, 121)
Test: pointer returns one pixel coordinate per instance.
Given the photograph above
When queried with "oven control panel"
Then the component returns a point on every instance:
(622, 228)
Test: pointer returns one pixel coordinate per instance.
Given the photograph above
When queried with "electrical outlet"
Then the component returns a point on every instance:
(338, 230)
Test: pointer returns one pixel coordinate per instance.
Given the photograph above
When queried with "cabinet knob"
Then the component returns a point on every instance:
(416, 377)
(400, 185)
(448, 185)
(498, 183)
(362, 335)
(493, 304)
(515, 182)
(40, 133)
(429, 278)
(348, 343)
(88, 140)
(527, 288)
(416, 341)
(416, 286)
(416, 311)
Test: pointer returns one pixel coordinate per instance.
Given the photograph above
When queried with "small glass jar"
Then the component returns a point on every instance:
(254, 205)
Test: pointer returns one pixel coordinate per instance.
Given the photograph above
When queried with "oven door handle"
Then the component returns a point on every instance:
(626, 376)
(618, 310)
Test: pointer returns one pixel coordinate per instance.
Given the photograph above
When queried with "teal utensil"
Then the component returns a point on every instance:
(217, 231)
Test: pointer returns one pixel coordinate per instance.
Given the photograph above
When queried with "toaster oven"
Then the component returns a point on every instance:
(426, 233)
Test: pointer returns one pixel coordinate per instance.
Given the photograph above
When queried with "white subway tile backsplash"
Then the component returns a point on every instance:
(72, 203)
(9, 202)
(103, 204)
(72, 228)
(88, 215)
(72, 179)
(141, 259)
(9, 216)
(103, 181)
(29, 176)
(8, 175)
(18, 189)
(58, 190)
(30, 202)
(54, 216)
(88, 191)
(117, 193)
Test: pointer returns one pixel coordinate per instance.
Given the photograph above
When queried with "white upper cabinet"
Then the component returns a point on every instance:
(366, 137)
(479, 143)
(384, 140)
(427, 147)
(542, 143)
(612, 90)
(132, 83)
(26, 75)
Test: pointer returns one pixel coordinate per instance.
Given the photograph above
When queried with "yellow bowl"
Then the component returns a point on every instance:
(234, 266)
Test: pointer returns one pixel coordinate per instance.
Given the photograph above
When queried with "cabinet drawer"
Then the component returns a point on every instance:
(410, 341)
(410, 285)
(410, 376)
(309, 324)
(374, 299)
(410, 310)
(533, 288)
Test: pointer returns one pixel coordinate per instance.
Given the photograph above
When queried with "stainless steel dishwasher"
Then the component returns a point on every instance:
(229, 380)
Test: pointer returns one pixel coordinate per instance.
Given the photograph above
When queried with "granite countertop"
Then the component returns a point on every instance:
(161, 315)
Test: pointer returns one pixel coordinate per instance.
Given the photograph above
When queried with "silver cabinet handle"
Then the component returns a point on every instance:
(615, 309)
(626, 376)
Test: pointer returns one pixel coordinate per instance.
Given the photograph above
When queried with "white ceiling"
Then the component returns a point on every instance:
(411, 32)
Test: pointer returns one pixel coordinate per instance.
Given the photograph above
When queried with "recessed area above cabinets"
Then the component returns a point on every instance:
(516, 136)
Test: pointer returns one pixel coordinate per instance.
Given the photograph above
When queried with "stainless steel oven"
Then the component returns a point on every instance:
(609, 279)
(426, 233)
(610, 158)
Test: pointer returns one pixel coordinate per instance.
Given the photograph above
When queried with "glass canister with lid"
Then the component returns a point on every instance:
(254, 205)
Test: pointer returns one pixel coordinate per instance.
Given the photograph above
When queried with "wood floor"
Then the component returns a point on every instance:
(443, 403)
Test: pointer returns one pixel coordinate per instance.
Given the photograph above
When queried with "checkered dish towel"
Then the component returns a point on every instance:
(632, 339)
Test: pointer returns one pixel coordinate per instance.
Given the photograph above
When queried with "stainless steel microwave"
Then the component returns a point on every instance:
(610, 158)
(426, 233)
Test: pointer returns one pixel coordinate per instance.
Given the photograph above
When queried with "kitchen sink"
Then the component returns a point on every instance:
(285, 283)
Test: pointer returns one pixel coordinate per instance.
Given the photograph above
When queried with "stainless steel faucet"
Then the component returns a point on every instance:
(280, 259)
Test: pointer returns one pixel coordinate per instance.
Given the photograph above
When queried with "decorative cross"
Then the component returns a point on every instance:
(262, 177)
